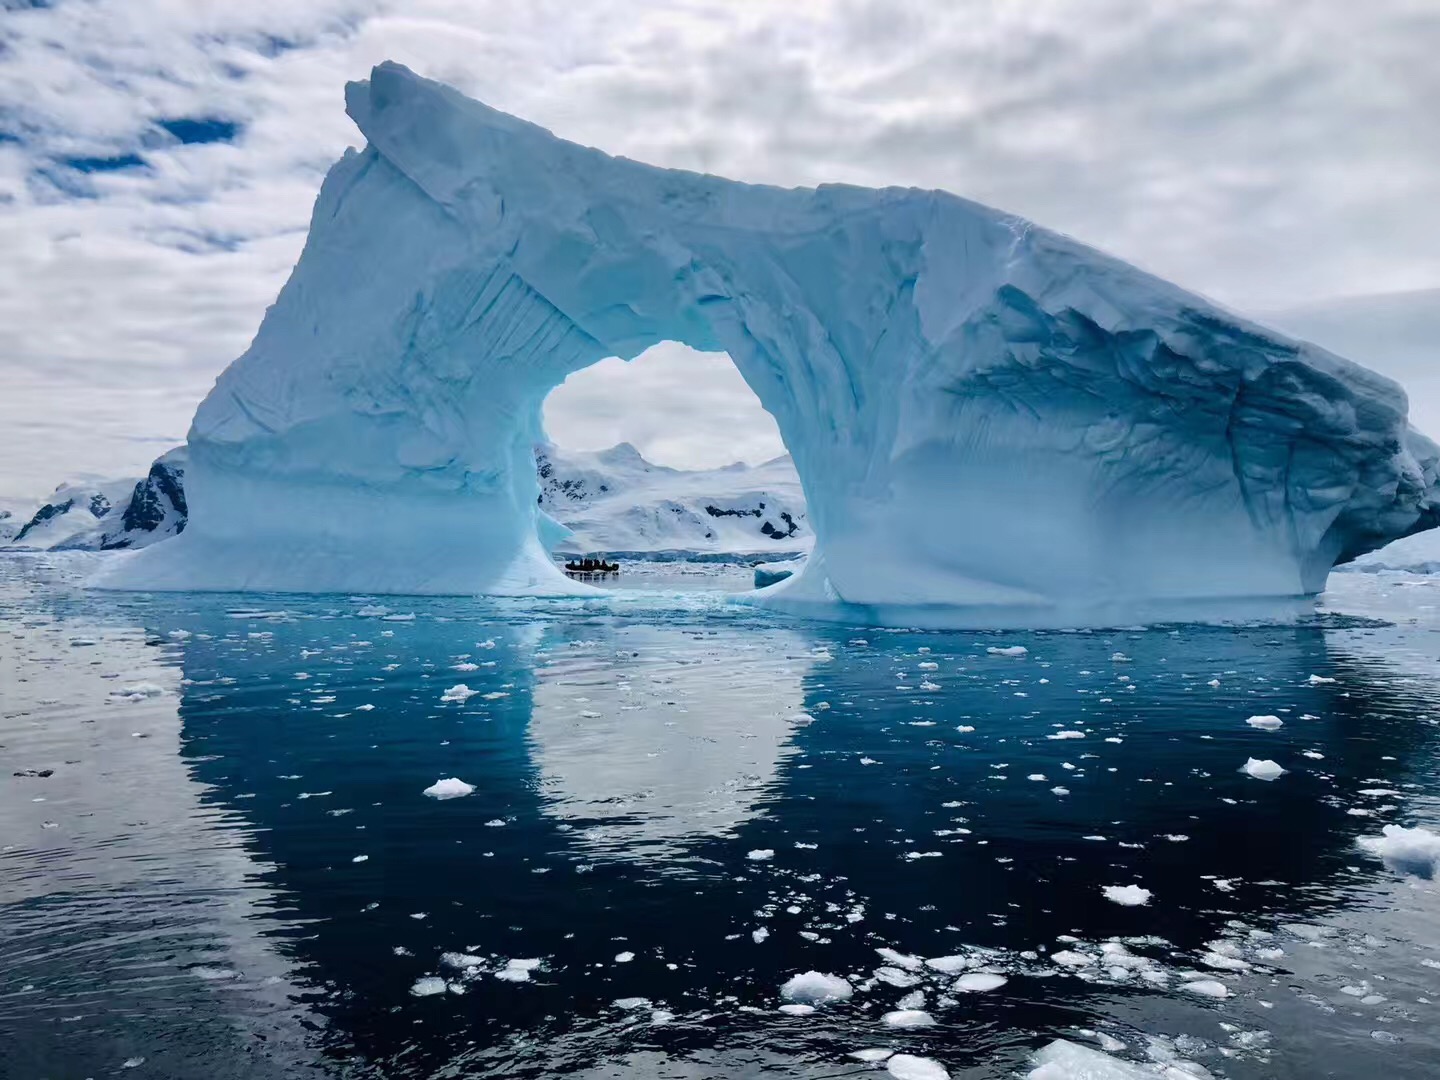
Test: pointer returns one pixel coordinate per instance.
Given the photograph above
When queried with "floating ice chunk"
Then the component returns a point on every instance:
(759, 934)
(1406, 851)
(948, 964)
(361, 858)
(893, 976)
(449, 788)
(978, 982)
(872, 1054)
(138, 691)
(428, 986)
(1127, 895)
(909, 1018)
(910, 1067)
(517, 970)
(1063, 1060)
(797, 1010)
(1069, 959)
(816, 988)
(458, 693)
(899, 959)
(624, 957)
(1119, 658)
(462, 961)
(1066, 735)
(761, 854)
(1266, 723)
(1211, 988)
(1262, 769)
(1007, 650)
(1319, 680)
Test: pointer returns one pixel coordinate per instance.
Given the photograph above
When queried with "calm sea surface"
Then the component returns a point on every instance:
(218, 857)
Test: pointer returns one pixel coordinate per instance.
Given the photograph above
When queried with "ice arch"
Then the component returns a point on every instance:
(984, 414)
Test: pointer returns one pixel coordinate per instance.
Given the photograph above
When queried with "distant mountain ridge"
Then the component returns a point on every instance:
(108, 515)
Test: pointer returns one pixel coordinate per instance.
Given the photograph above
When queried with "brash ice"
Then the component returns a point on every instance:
(989, 419)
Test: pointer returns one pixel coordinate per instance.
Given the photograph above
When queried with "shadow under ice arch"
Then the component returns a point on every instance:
(984, 414)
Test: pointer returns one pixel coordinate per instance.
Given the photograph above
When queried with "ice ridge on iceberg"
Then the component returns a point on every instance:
(985, 416)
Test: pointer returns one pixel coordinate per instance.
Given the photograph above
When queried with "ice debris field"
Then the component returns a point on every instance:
(719, 838)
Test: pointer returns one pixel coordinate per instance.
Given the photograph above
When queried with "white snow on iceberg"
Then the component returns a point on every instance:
(986, 417)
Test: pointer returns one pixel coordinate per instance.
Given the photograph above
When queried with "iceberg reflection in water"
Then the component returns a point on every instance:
(680, 804)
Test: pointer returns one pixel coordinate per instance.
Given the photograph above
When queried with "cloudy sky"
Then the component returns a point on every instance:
(159, 159)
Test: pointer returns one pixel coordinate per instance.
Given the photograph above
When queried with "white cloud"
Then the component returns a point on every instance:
(1266, 152)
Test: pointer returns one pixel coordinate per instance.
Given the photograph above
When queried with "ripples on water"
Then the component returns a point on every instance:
(678, 804)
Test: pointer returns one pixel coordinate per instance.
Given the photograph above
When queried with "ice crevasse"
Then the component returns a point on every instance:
(989, 419)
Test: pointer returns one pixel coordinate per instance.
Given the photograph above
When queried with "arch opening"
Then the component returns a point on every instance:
(666, 458)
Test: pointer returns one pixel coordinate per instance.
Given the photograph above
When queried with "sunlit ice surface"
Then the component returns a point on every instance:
(219, 857)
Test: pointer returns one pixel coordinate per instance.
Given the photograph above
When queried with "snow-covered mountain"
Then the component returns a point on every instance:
(617, 502)
(105, 515)
(610, 500)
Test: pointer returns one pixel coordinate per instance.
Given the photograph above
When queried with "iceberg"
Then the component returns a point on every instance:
(992, 423)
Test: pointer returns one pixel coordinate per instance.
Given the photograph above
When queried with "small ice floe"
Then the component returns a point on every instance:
(910, 1067)
(1319, 680)
(909, 1018)
(1127, 895)
(760, 854)
(1064, 1060)
(450, 788)
(1119, 658)
(899, 959)
(132, 1063)
(1405, 851)
(947, 965)
(1211, 988)
(1069, 959)
(1266, 723)
(459, 693)
(1262, 769)
(624, 957)
(361, 858)
(517, 970)
(428, 986)
(465, 666)
(979, 982)
(797, 1010)
(759, 934)
(815, 988)
(462, 961)
(1067, 734)
(1008, 650)
(872, 1055)
(138, 691)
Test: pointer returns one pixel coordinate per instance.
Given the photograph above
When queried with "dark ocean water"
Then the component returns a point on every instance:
(679, 803)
